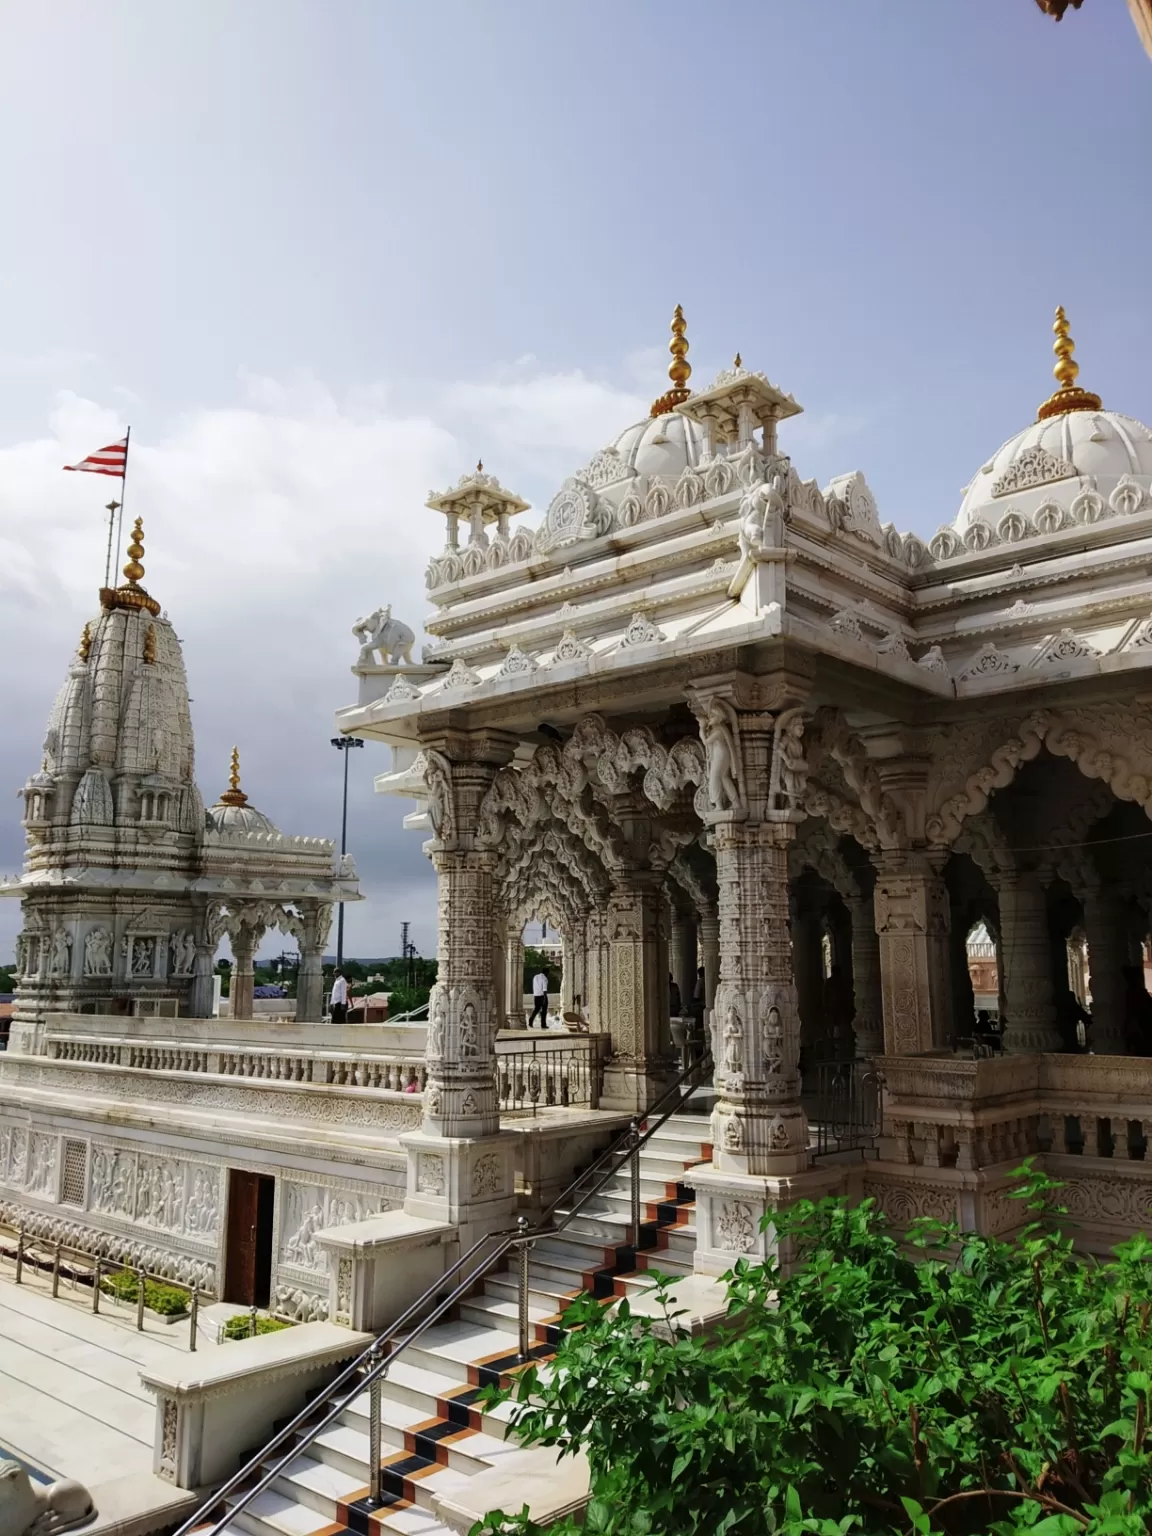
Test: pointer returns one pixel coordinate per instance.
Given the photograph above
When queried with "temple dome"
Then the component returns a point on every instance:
(1057, 459)
(660, 445)
(232, 812)
(240, 818)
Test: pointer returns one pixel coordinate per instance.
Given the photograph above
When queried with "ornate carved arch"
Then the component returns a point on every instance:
(818, 848)
(1102, 744)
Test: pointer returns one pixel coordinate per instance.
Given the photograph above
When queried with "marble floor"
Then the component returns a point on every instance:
(71, 1402)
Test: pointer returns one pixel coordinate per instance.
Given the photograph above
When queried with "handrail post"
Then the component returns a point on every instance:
(194, 1320)
(96, 1287)
(634, 1169)
(140, 1277)
(252, 1324)
(374, 1425)
(56, 1273)
(20, 1254)
(523, 1256)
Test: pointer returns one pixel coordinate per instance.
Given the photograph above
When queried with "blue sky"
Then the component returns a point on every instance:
(322, 256)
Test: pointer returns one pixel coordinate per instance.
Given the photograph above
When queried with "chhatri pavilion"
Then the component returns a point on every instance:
(711, 713)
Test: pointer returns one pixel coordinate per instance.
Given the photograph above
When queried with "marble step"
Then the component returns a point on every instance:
(550, 1296)
(497, 1312)
(345, 1446)
(471, 1347)
(403, 1415)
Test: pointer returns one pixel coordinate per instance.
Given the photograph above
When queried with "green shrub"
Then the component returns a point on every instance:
(240, 1326)
(947, 1385)
(164, 1300)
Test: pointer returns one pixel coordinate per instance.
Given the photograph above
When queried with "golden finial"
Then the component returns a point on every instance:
(479, 466)
(234, 795)
(737, 361)
(1069, 397)
(133, 594)
(86, 643)
(679, 369)
(134, 570)
(150, 646)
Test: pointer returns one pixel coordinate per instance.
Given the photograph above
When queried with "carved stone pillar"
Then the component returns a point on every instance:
(683, 949)
(1107, 955)
(460, 1168)
(911, 913)
(710, 951)
(597, 971)
(867, 993)
(752, 731)
(808, 971)
(567, 969)
(1025, 948)
(499, 975)
(641, 1065)
(240, 990)
(203, 990)
(514, 977)
(313, 936)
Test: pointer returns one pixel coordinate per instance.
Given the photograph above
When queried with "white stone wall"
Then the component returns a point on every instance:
(143, 1200)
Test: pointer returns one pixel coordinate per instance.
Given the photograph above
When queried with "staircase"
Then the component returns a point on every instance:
(433, 1437)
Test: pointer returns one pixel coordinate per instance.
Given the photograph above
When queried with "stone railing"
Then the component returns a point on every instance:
(951, 1112)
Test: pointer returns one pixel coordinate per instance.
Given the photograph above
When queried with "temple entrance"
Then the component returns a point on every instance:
(248, 1255)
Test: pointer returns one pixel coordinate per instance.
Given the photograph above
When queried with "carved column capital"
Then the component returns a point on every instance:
(752, 729)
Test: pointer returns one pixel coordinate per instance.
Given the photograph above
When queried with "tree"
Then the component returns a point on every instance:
(953, 1384)
(7, 979)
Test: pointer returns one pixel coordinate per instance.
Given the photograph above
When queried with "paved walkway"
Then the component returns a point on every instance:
(70, 1395)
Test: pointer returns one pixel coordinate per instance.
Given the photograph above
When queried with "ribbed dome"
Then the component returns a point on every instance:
(660, 445)
(1056, 460)
(239, 818)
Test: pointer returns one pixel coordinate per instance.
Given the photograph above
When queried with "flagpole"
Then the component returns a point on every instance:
(111, 507)
(123, 489)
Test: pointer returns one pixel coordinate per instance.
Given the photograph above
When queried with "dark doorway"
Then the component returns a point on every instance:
(248, 1256)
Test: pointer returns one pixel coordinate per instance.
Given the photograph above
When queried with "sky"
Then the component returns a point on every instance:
(321, 257)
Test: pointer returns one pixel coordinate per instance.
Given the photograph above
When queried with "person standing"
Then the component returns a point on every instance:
(539, 1000)
(339, 1000)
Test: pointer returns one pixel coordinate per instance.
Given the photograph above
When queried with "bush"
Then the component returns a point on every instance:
(164, 1300)
(951, 1384)
(240, 1326)
(406, 1000)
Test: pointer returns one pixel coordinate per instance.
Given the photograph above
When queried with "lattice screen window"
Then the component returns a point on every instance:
(75, 1181)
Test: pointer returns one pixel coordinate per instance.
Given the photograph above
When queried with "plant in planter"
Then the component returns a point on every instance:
(164, 1300)
(943, 1386)
(240, 1326)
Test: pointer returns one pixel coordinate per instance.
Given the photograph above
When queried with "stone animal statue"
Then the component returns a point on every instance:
(381, 632)
(32, 1509)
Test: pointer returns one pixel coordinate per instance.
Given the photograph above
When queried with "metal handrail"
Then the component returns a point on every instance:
(373, 1364)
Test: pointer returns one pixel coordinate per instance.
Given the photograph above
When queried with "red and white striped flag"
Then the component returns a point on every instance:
(112, 460)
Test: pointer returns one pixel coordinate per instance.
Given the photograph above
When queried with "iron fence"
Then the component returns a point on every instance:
(845, 1105)
(547, 1077)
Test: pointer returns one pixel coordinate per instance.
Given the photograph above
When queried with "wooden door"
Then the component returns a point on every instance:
(240, 1253)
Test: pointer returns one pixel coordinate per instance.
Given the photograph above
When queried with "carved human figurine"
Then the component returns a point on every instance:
(436, 1022)
(98, 953)
(469, 1031)
(61, 955)
(725, 772)
(733, 1042)
(790, 768)
(143, 955)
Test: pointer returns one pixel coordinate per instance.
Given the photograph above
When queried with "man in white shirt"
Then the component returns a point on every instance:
(539, 1000)
(339, 1011)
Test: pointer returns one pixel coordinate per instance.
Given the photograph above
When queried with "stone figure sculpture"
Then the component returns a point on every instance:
(60, 961)
(380, 632)
(98, 953)
(183, 952)
(725, 770)
(30, 1509)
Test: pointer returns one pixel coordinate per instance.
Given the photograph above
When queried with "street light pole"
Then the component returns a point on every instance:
(342, 744)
